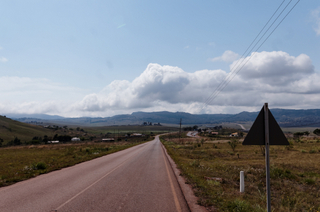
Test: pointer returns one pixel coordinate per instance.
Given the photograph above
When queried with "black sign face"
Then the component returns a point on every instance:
(256, 135)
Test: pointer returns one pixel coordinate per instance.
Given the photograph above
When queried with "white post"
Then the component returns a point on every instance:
(241, 181)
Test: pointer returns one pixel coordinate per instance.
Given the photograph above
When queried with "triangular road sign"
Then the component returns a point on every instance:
(256, 135)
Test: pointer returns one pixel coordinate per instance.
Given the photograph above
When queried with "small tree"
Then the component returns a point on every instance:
(233, 144)
(202, 141)
(316, 131)
(16, 141)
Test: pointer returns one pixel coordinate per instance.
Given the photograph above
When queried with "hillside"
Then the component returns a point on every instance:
(9, 129)
(286, 118)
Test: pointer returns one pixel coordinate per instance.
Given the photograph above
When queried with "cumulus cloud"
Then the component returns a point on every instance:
(278, 78)
(316, 18)
(275, 77)
(227, 56)
(275, 67)
(3, 59)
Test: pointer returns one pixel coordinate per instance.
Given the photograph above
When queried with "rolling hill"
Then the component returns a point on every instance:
(9, 129)
(285, 117)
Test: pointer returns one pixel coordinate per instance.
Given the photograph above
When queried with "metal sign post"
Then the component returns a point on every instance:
(266, 131)
(266, 135)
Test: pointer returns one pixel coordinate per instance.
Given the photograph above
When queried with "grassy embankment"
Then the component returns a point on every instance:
(295, 173)
(10, 129)
(23, 162)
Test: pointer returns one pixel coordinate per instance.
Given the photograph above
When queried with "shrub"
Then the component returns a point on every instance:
(309, 181)
(39, 166)
(312, 151)
(233, 144)
(316, 131)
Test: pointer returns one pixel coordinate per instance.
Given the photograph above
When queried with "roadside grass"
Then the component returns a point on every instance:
(24, 162)
(213, 170)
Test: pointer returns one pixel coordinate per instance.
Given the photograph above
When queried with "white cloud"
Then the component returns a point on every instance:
(275, 67)
(28, 95)
(186, 47)
(275, 77)
(316, 18)
(3, 59)
(227, 56)
(278, 78)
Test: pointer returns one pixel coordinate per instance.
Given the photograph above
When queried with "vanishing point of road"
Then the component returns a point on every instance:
(136, 179)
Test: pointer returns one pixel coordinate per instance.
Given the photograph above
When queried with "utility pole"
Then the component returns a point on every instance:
(180, 130)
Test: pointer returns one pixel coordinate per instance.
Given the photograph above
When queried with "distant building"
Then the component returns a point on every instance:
(107, 139)
(75, 139)
(53, 142)
(234, 134)
(214, 133)
(136, 135)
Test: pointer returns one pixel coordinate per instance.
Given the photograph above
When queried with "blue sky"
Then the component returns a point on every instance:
(101, 58)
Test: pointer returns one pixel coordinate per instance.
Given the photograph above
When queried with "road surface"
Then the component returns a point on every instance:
(193, 134)
(242, 126)
(136, 179)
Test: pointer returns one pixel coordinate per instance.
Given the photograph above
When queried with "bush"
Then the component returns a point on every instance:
(309, 181)
(39, 166)
(316, 131)
(16, 141)
(233, 144)
(312, 151)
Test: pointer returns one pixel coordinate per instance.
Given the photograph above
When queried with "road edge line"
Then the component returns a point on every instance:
(186, 189)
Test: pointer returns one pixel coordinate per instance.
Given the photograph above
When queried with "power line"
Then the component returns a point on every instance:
(227, 82)
(234, 71)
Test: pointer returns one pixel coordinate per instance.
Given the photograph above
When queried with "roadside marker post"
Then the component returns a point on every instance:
(241, 181)
(266, 131)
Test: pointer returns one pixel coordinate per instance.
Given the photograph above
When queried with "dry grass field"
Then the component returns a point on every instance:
(23, 162)
(213, 168)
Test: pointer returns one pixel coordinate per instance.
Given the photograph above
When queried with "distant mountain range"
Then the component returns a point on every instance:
(286, 118)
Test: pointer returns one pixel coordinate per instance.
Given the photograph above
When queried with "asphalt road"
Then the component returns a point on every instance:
(193, 134)
(136, 179)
